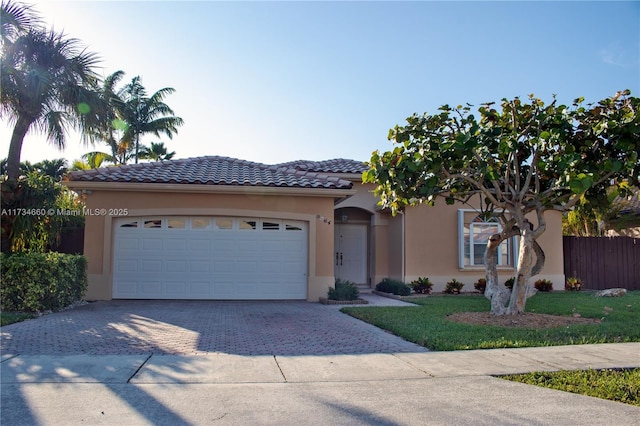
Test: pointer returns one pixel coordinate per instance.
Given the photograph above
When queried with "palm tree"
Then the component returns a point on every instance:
(55, 168)
(48, 82)
(147, 114)
(111, 125)
(91, 160)
(16, 19)
(157, 152)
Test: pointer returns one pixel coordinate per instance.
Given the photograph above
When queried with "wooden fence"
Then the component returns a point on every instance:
(603, 262)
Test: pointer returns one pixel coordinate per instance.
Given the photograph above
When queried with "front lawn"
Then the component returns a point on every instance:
(614, 385)
(427, 324)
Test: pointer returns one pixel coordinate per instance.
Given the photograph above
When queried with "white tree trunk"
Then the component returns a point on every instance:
(521, 287)
(495, 292)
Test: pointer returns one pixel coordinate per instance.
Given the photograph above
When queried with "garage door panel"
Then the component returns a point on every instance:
(125, 266)
(222, 267)
(127, 244)
(175, 244)
(152, 244)
(197, 290)
(202, 266)
(199, 245)
(250, 246)
(148, 289)
(151, 266)
(176, 266)
(175, 288)
(126, 288)
(266, 262)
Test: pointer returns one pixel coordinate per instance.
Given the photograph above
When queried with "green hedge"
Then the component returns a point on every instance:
(33, 282)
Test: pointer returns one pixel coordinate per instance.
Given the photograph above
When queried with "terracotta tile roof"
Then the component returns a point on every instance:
(336, 165)
(212, 170)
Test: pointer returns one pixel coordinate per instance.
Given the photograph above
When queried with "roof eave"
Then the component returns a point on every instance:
(208, 189)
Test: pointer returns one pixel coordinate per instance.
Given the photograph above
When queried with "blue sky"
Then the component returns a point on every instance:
(280, 81)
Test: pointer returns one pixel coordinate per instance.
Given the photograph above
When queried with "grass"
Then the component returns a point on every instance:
(615, 385)
(428, 326)
(7, 318)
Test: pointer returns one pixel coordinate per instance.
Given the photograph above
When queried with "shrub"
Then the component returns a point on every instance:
(453, 287)
(33, 282)
(509, 283)
(38, 194)
(422, 285)
(480, 285)
(573, 284)
(543, 285)
(344, 290)
(387, 285)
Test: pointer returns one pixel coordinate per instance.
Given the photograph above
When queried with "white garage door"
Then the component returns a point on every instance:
(209, 258)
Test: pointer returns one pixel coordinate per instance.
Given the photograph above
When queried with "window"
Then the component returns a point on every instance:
(133, 224)
(200, 223)
(153, 223)
(292, 227)
(475, 232)
(176, 223)
(270, 226)
(247, 224)
(223, 223)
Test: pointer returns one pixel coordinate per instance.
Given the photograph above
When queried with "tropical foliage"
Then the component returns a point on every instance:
(144, 114)
(48, 82)
(521, 159)
(30, 213)
(156, 152)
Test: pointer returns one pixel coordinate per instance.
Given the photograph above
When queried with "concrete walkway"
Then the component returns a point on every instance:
(390, 388)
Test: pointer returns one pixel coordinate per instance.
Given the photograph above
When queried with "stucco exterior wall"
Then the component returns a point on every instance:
(395, 248)
(316, 211)
(431, 248)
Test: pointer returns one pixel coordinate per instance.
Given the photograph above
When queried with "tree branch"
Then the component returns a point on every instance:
(475, 183)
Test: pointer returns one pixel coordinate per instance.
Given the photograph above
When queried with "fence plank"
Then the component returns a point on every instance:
(603, 262)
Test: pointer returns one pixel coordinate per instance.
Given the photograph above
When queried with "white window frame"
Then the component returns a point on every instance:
(511, 252)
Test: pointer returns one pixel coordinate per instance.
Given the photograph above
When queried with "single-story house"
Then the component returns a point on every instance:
(222, 228)
(626, 219)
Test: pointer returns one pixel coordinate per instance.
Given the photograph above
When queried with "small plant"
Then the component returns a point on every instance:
(387, 285)
(422, 285)
(344, 290)
(573, 284)
(543, 285)
(453, 287)
(480, 285)
(509, 283)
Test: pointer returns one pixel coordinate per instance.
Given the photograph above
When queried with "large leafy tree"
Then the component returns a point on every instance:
(523, 159)
(145, 114)
(48, 83)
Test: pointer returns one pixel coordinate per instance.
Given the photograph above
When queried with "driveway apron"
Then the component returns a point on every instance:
(123, 327)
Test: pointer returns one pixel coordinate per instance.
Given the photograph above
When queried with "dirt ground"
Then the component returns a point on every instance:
(526, 320)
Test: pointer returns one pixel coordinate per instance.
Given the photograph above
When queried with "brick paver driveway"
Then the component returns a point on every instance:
(199, 327)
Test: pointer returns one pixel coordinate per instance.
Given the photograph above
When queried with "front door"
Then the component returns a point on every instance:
(350, 258)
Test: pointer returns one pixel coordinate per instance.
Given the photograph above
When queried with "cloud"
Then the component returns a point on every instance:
(613, 54)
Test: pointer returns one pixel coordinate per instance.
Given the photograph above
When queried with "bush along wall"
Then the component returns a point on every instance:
(35, 282)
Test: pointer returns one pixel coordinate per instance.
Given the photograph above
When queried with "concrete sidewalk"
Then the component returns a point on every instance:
(398, 388)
